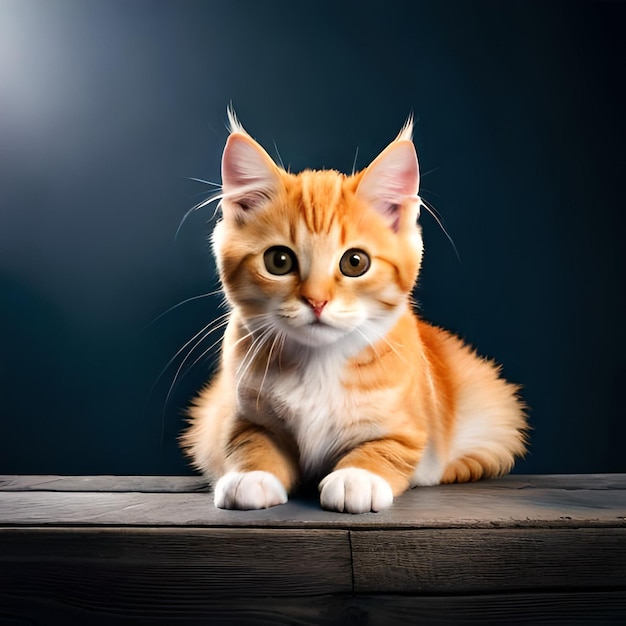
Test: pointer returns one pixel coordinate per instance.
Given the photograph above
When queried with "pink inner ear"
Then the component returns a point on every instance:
(249, 175)
(392, 178)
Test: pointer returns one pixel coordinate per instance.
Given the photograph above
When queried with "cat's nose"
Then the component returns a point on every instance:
(317, 306)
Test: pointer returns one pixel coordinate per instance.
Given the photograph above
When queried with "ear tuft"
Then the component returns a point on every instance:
(234, 125)
(249, 176)
(406, 132)
(392, 179)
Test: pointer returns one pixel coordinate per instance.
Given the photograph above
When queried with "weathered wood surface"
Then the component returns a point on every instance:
(457, 561)
(179, 562)
(36, 482)
(514, 501)
(126, 550)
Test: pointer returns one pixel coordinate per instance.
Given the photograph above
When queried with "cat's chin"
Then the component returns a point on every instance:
(316, 335)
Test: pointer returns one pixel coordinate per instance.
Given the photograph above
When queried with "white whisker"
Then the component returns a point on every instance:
(280, 159)
(264, 331)
(212, 327)
(356, 154)
(431, 209)
(196, 207)
(381, 338)
(267, 366)
(216, 324)
(172, 308)
(205, 352)
(206, 182)
(430, 171)
(369, 343)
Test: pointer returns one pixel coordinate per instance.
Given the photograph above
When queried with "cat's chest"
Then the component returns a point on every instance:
(324, 416)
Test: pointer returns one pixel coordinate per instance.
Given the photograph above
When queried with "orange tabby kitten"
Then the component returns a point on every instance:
(326, 371)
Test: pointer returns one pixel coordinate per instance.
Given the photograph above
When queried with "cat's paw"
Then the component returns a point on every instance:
(249, 490)
(354, 490)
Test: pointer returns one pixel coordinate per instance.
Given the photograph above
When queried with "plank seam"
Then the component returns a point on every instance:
(351, 560)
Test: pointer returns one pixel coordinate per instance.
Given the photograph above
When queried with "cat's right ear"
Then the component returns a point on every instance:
(391, 182)
(249, 176)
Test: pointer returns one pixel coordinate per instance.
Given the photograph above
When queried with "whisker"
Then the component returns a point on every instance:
(267, 367)
(203, 335)
(369, 343)
(383, 338)
(206, 351)
(430, 171)
(431, 209)
(280, 159)
(215, 343)
(356, 154)
(262, 329)
(172, 308)
(206, 182)
(169, 363)
(392, 348)
(281, 347)
(251, 355)
(196, 207)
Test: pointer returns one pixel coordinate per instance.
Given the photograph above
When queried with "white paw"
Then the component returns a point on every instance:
(354, 490)
(249, 490)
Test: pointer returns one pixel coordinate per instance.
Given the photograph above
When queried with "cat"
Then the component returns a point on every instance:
(327, 373)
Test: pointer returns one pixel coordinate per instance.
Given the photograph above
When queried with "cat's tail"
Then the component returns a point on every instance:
(489, 428)
(475, 466)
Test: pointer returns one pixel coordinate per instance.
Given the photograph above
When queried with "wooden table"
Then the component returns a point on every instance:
(137, 549)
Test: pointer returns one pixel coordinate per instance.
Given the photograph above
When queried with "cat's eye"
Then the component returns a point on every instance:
(280, 260)
(354, 263)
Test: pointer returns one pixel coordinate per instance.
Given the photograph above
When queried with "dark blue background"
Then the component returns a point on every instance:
(106, 107)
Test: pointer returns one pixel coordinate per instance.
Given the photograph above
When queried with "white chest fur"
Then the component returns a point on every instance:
(324, 418)
(315, 407)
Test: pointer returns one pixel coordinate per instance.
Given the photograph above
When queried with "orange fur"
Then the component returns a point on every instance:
(373, 400)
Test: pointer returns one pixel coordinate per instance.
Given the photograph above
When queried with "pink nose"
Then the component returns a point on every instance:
(317, 306)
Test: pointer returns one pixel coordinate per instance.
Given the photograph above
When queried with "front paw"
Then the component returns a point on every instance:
(354, 490)
(249, 490)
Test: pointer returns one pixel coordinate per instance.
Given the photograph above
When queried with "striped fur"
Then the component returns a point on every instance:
(331, 377)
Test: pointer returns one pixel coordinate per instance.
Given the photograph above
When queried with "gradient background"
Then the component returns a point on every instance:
(107, 107)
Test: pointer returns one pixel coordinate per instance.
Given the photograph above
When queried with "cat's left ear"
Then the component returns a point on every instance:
(391, 181)
(249, 176)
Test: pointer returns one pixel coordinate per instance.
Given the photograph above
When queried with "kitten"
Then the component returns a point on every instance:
(327, 374)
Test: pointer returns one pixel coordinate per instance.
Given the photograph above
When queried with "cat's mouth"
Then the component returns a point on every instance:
(319, 322)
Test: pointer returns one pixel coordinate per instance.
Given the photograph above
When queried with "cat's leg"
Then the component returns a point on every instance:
(369, 476)
(262, 469)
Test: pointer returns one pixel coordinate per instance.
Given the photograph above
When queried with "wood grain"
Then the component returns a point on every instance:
(144, 549)
(148, 484)
(457, 561)
(173, 563)
(508, 503)
(12, 482)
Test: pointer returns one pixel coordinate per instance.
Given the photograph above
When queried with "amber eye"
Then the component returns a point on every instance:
(354, 263)
(280, 260)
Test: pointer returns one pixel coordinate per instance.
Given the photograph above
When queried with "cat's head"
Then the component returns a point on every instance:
(319, 256)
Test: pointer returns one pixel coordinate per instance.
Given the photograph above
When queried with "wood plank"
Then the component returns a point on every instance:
(123, 550)
(603, 608)
(116, 567)
(461, 561)
(506, 504)
(148, 484)
(560, 481)
(167, 484)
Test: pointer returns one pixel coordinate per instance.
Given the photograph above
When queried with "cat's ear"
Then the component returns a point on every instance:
(391, 181)
(249, 176)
